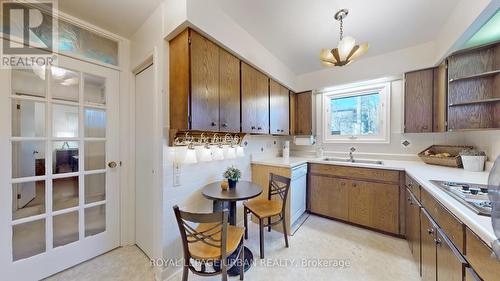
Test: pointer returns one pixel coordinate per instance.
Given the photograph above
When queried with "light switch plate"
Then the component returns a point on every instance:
(177, 174)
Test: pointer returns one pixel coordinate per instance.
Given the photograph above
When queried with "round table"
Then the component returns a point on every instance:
(226, 199)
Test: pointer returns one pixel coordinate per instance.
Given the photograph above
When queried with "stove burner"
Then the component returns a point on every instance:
(475, 196)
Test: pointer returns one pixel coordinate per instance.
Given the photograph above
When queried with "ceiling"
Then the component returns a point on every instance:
(122, 17)
(296, 30)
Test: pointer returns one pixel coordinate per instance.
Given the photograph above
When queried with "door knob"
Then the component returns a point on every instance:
(112, 164)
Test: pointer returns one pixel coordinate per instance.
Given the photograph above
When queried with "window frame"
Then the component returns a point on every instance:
(383, 89)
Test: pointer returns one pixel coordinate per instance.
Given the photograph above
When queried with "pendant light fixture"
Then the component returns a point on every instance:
(347, 50)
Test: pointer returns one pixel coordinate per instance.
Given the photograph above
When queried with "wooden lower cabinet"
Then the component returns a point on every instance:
(412, 224)
(450, 263)
(375, 205)
(329, 197)
(335, 192)
(428, 232)
(479, 255)
(471, 275)
(441, 260)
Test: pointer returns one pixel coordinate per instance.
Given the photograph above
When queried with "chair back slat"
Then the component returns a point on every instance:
(279, 185)
(189, 234)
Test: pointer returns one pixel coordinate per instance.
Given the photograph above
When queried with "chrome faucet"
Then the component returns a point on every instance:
(351, 156)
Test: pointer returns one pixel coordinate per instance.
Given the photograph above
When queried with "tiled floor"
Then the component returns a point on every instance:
(369, 255)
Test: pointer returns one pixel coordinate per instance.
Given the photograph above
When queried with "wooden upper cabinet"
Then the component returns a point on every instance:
(293, 113)
(229, 88)
(279, 109)
(303, 113)
(204, 84)
(474, 89)
(179, 85)
(254, 101)
(419, 87)
(425, 100)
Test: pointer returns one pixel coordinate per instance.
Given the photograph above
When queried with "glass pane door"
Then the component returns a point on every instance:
(62, 134)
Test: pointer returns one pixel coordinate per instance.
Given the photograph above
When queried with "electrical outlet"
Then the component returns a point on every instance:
(177, 174)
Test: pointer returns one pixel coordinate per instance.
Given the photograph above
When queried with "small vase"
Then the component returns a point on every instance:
(232, 183)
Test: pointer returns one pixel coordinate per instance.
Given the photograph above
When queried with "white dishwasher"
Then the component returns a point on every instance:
(298, 189)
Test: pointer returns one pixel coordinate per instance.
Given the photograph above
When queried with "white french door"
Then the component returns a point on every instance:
(59, 193)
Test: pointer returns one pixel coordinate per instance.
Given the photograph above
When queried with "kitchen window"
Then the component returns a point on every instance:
(357, 115)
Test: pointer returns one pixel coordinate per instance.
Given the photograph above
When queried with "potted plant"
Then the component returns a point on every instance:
(473, 160)
(232, 175)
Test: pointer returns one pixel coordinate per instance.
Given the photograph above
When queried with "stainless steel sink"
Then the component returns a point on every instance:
(360, 161)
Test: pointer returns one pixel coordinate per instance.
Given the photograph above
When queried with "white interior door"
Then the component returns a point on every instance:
(144, 159)
(59, 198)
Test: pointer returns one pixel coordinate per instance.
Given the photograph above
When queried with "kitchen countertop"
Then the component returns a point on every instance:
(423, 174)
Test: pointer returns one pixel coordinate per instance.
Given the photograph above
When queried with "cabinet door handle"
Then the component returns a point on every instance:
(438, 242)
(253, 127)
(224, 125)
(213, 124)
(259, 128)
(430, 231)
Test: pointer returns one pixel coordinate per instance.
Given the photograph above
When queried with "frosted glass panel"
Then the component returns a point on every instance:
(73, 39)
(65, 193)
(28, 199)
(94, 89)
(65, 229)
(28, 118)
(95, 123)
(29, 82)
(28, 159)
(64, 121)
(65, 84)
(28, 239)
(65, 157)
(95, 188)
(95, 220)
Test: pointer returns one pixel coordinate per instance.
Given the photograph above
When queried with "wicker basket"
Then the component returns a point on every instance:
(453, 161)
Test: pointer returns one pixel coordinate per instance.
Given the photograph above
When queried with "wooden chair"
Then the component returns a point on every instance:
(268, 209)
(211, 241)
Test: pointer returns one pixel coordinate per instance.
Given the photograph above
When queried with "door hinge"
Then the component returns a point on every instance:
(189, 40)
(18, 196)
(18, 106)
